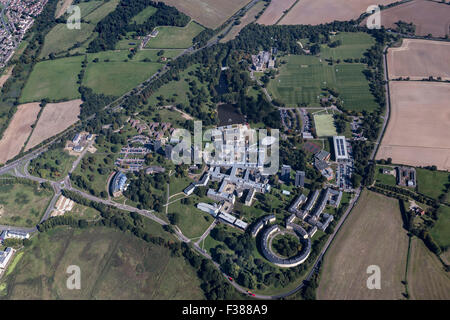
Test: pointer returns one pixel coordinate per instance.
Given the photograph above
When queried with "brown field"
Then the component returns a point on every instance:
(427, 279)
(428, 17)
(420, 59)
(5, 76)
(418, 130)
(18, 130)
(55, 118)
(372, 235)
(62, 7)
(323, 11)
(209, 13)
(275, 11)
(248, 18)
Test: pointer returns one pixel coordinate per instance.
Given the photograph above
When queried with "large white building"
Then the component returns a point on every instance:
(8, 234)
(340, 148)
(5, 256)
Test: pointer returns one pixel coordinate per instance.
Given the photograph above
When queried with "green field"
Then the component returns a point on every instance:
(99, 13)
(53, 164)
(441, 229)
(83, 212)
(387, 179)
(114, 265)
(89, 6)
(142, 16)
(325, 125)
(193, 222)
(432, 183)
(22, 205)
(175, 37)
(302, 79)
(117, 78)
(354, 44)
(54, 80)
(61, 38)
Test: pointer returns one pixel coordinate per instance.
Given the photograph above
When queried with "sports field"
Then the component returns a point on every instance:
(354, 44)
(22, 205)
(209, 13)
(325, 125)
(302, 78)
(54, 80)
(175, 37)
(116, 78)
(113, 265)
(427, 279)
(371, 235)
(417, 133)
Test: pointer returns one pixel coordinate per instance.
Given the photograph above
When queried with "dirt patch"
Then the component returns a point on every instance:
(427, 16)
(209, 13)
(62, 7)
(6, 76)
(55, 118)
(18, 130)
(420, 59)
(275, 11)
(323, 11)
(418, 131)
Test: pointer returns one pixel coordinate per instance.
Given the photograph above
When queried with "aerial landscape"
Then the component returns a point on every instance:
(245, 150)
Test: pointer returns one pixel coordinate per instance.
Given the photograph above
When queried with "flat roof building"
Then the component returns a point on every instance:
(340, 148)
(300, 179)
(5, 256)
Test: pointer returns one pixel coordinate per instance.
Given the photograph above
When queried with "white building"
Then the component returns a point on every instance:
(208, 208)
(5, 256)
(340, 148)
(12, 234)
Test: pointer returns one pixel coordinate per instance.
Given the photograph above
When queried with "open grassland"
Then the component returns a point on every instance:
(22, 205)
(175, 37)
(102, 11)
(61, 38)
(418, 59)
(53, 80)
(117, 78)
(248, 18)
(432, 183)
(152, 54)
(388, 179)
(275, 11)
(55, 118)
(142, 16)
(87, 7)
(83, 212)
(324, 125)
(315, 12)
(428, 17)
(209, 13)
(302, 78)
(417, 133)
(427, 279)
(354, 44)
(372, 235)
(18, 130)
(441, 229)
(114, 265)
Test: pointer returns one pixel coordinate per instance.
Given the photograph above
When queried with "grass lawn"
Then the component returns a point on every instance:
(193, 222)
(302, 79)
(54, 80)
(82, 212)
(117, 78)
(99, 13)
(427, 279)
(22, 205)
(178, 184)
(441, 229)
(373, 234)
(175, 37)
(432, 183)
(354, 44)
(142, 16)
(387, 179)
(61, 38)
(114, 265)
(152, 54)
(53, 164)
(325, 125)
(87, 7)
